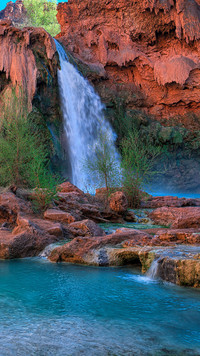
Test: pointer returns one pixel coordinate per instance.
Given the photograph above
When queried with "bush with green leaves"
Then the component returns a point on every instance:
(24, 160)
(138, 160)
(42, 13)
(45, 186)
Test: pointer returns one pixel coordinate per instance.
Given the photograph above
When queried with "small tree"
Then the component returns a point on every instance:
(103, 166)
(138, 159)
(42, 13)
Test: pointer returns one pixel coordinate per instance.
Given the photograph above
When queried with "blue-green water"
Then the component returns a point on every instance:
(60, 309)
(110, 228)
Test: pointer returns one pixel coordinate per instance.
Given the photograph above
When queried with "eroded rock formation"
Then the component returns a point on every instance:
(29, 61)
(15, 12)
(148, 51)
(73, 216)
(21, 57)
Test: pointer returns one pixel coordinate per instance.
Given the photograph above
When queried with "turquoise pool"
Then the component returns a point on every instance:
(60, 309)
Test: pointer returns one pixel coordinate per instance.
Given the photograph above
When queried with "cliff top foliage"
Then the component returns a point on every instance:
(42, 13)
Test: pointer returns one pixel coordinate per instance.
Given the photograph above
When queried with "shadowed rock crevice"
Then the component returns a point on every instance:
(4, 81)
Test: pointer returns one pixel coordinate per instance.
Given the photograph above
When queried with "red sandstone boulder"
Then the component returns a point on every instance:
(85, 228)
(59, 215)
(140, 238)
(187, 217)
(27, 243)
(173, 237)
(118, 202)
(158, 202)
(68, 187)
(82, 250)
(84, 206)
(101, 193)
(130, 216)
(25, 222)
(10, 206)
(11, 202)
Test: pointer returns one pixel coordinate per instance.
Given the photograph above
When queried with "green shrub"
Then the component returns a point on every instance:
(138, 161)
(24, 160)
(42, 13)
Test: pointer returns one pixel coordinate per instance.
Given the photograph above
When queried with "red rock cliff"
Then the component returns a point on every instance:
(148, 48)
(14, 12)
(20, 54)
(28, 59)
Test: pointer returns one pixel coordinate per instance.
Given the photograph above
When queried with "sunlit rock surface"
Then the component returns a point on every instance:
(68, 232)
(179, 265)
(147, 50)
(15, 12)
(186, 217)
(20, 55)
(171, 201)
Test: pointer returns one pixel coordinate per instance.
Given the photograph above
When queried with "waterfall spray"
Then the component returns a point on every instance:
(84, 121)
(153, 271)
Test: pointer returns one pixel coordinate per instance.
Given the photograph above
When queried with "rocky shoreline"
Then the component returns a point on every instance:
(75, 216)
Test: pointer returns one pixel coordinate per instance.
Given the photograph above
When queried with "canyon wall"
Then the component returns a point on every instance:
(143, 57)
(15, 12)
(28, 60)
(147, 51)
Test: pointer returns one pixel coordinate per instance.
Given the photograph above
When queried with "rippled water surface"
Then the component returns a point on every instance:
(60, 309)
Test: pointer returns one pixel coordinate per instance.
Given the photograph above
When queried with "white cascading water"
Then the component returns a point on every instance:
(84, 121)
(153, 271)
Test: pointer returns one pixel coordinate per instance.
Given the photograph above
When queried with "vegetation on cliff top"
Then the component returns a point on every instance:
(42, 13)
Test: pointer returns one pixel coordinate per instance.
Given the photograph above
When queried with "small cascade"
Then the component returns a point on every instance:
(153, 271)
(47, 250)
(84, 121)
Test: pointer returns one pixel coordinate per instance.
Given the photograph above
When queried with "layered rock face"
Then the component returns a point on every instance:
(148, 51)
(15, 12)
(29, 61)
(23, 52)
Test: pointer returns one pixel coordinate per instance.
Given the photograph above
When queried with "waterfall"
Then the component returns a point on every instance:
(153, 271)
(84, 122)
